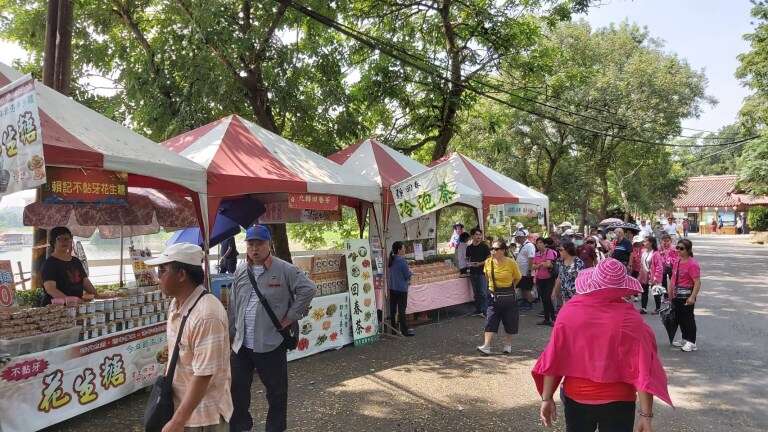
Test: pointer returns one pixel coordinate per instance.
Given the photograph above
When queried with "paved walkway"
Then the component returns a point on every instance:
(436, 381)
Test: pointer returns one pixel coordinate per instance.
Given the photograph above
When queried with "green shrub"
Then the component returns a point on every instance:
(758, 219)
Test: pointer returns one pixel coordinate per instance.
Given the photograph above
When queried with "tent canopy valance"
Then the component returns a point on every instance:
(146, 211)
(495, 188)
(386, 166)
(241, 158)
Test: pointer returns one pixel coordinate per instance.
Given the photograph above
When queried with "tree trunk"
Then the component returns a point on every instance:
(455, 87)
(51, 34)
(262, 111)
(606, 195)
(63, 74)
(585, 209)
(57, 74)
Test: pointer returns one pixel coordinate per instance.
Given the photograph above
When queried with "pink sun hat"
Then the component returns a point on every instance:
(609, 273)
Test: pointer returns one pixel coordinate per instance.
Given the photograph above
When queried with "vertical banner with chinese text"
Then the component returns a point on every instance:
(425, 192)
(22, 165)
(362, 301)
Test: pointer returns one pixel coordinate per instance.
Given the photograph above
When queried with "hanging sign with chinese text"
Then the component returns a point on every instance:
(279, 212)
(313, 201)
(85, 186)
(362, 301)
(48, 387)
(22, 165)
(425, 192)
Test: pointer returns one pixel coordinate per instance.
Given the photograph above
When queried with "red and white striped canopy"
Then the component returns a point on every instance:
(76, 136)
(375, 161)
(496, 188)
(241, 158)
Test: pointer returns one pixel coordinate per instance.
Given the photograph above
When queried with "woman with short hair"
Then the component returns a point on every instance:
(503, 275)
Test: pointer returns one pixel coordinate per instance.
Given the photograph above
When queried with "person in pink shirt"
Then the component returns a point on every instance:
(651, 273)
(668, 256)
(605, 356)
(684, 290)
(543, 262)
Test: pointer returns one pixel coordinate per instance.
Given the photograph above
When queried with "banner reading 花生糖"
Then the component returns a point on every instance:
(362, 299)
(48, 387)
(425, 192)
(22, 165)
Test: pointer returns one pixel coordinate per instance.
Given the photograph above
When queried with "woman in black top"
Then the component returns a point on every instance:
(63, 275)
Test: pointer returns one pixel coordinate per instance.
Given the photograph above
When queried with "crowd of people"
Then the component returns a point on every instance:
(585, 287)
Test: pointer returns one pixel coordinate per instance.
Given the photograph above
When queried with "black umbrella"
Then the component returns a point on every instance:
(669, 319)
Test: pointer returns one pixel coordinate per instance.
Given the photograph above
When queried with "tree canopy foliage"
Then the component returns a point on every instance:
(576, 112)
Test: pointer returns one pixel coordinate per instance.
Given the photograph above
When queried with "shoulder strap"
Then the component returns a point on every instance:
(263, 300)
(493, 276)
(175, 356)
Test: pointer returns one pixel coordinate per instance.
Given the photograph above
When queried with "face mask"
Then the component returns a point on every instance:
(578, 242)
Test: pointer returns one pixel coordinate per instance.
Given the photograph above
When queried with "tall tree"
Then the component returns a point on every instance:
(609, 86)
(179, 64)
(753, 71)
(466, 40)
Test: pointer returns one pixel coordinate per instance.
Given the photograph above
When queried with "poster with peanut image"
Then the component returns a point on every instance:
(362, 301)
(22, 165)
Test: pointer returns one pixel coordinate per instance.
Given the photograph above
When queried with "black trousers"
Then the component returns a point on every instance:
(610, 417)
(545, 286)
(272, 368)
(398, 301)
(644, 297)
(685, 319)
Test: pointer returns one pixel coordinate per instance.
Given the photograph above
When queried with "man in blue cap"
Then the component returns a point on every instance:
(257, 343)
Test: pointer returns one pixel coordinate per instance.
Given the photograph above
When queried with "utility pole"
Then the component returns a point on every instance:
(57, 74)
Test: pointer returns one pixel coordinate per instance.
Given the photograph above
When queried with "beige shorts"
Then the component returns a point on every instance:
(223, 426)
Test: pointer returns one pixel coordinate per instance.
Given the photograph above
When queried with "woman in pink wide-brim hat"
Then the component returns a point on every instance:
(604, 355)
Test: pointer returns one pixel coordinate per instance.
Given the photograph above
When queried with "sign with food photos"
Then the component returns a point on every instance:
(6, 284)
(425, 193)
(22, 165)
(362, 301)
(326, 326)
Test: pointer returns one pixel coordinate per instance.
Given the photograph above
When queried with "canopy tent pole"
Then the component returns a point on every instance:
(386, 327)
(122, 238)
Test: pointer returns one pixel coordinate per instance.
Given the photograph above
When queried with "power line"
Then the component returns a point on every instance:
(394, 46)
(709, 155)
(389, 51)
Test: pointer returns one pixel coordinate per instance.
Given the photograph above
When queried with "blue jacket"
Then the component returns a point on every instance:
(399, 274)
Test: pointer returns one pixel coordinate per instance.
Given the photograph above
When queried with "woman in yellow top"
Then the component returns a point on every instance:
(503, 275)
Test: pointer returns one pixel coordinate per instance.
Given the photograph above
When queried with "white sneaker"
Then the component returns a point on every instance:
(508, 349)
(484, 349)
(679, 343)
(689, 346)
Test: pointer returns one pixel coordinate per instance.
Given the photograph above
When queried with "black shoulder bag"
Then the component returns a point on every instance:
(159, 410)
(290, 334)
(502, 296)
